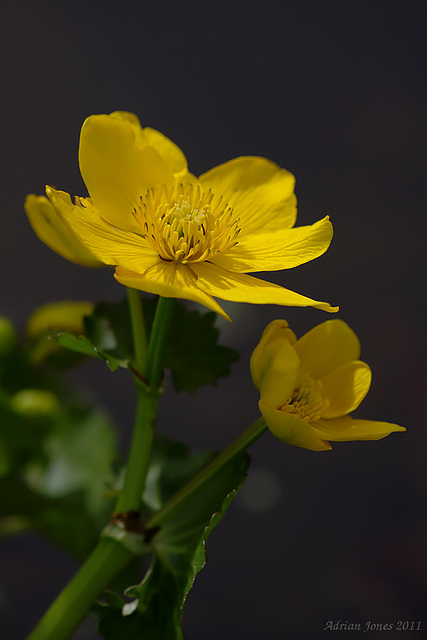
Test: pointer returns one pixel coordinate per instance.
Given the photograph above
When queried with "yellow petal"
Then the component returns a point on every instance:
(261, 193)
(116, 169)
(274, 331)
(347, 428)
(292, 429)
(278, 372)
(168, 150)
(223, 284)
(345, 388)
(109, 244)
(326, 347)
(169, 280)
(278, 249)
(51, 228)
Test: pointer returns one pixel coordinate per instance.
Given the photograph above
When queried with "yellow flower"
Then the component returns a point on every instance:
(170, 233)
(309, 386)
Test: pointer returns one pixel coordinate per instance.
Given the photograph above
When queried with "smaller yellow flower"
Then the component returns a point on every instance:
(309, 386)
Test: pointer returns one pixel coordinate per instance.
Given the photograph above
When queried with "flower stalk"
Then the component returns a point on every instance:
(107, 559)
(186, 494)
(110, 556)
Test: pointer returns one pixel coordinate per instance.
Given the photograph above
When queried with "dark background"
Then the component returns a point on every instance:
(336, 93)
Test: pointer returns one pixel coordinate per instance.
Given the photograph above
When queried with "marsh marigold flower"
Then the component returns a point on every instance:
(309, 386)
(169, 233)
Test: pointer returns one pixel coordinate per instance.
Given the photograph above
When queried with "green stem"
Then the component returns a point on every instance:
(146, 411)
(110, 555)
(138, 327)
(156, 351)
(64, 615)
(186, 494)
(139, 456)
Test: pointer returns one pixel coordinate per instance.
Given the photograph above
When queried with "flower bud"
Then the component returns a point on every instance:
(8, 336)
(60, 316)
(35, 403)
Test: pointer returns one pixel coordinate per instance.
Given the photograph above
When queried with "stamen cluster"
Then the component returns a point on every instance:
(306, 399)
(183, 224)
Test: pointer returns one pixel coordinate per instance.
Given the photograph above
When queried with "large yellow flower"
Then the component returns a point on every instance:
(170, 233)
(309, 386)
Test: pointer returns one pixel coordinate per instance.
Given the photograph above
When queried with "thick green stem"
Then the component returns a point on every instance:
(108, 558)
(186, 494)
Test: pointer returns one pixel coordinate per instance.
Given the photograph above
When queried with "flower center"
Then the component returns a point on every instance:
(306, 399)
(183, 224)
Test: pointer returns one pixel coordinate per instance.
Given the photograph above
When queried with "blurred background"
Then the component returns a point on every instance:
(335, 92)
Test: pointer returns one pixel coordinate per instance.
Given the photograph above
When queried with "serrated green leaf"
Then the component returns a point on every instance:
(193, 354)
(179, 548)
(194, 357)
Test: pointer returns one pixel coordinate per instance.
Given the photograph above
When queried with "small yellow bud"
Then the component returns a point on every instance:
(34, 403)
(8, 336)
(62, 316)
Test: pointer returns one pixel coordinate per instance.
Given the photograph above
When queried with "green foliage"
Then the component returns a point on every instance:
(57, 456)
(193, 354)
(108, 335)
(57, 460)
(178, 547)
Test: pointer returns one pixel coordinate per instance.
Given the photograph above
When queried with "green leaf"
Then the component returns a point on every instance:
(82, 345)
(178, 548)
(193, 354)
(194, 357)
(78, 455)
(109, 329)
(65, 521)
(108, 335)
(172, 466)
(79, 344)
